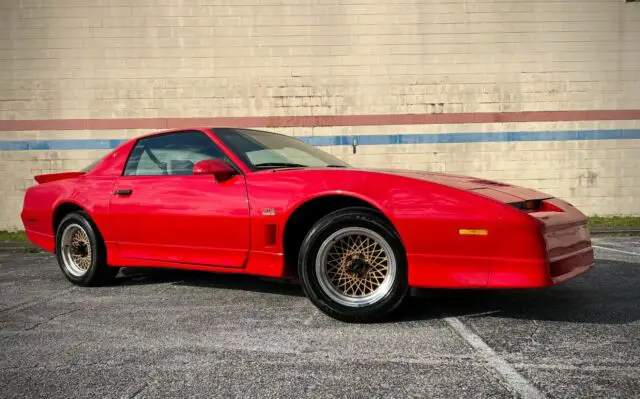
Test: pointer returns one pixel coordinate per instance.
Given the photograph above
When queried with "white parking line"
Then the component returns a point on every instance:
(616, 250)
(514, 380)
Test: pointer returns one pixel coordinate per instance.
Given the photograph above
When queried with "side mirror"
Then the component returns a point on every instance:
(219, 169)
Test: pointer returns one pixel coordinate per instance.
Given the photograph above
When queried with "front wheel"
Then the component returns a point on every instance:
(353, 267)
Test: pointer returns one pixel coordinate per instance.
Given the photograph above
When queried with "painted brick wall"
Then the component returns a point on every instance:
(134, 58)
(65, 59)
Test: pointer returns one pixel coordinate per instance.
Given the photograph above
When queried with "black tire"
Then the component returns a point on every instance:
(98, 272)
(324, 229)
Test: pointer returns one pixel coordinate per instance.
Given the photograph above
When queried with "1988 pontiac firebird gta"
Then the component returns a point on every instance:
(254, 202)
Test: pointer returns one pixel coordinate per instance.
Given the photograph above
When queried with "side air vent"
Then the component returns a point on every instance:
(270, 234)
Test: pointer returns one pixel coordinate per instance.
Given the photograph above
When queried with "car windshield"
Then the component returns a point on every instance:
(264, 150)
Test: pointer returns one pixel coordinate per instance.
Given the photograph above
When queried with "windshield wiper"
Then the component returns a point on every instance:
(279, 165)
(336, 166)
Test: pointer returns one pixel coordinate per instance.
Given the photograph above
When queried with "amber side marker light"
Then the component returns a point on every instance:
(473, 232)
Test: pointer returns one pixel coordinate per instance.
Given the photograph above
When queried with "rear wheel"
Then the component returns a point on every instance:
(80, 251)
(352, 266)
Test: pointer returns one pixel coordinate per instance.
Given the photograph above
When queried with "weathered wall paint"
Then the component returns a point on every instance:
(79, 70)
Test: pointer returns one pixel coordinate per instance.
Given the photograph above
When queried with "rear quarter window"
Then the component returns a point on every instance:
(92, 165)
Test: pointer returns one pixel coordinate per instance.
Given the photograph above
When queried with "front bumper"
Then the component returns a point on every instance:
(516, 273)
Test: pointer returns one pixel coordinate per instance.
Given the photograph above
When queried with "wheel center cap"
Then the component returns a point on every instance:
(358, 266)
(81, 250)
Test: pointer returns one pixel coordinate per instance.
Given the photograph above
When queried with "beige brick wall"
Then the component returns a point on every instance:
(208, 58)
(598, 176)
(106, 59)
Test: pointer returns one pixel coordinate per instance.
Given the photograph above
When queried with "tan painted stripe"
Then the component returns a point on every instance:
(326, 120)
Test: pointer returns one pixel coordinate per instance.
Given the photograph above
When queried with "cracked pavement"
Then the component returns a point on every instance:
(178, 334)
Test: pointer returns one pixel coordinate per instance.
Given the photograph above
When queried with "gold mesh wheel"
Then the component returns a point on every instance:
(355, 267)
(76, 250)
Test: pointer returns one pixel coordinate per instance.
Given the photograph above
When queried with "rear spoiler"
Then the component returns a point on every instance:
(49, 177)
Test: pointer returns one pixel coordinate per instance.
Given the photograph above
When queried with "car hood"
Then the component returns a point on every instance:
(503, 192)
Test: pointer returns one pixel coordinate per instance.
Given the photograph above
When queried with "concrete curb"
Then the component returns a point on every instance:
(613, 230)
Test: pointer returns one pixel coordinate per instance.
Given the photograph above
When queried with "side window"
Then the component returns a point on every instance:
(170, 154)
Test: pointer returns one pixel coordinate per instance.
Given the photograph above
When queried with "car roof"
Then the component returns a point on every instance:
(186, 128)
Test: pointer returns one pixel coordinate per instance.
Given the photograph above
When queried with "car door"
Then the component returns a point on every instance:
(162, 212)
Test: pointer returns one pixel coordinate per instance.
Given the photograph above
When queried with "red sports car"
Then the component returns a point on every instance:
(248, 201)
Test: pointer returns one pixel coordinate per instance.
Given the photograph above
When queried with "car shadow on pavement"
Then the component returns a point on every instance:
(140, 276)
(609, 294)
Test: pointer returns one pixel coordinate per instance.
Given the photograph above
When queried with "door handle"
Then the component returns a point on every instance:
(123, 192)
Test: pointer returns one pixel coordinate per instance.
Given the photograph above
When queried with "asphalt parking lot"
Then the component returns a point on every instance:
(175, 334)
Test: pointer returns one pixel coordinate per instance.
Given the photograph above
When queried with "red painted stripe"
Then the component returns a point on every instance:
(326, 120)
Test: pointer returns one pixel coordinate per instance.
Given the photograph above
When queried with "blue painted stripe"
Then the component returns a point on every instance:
(34, 145)
(422, 138)
(365, 139)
